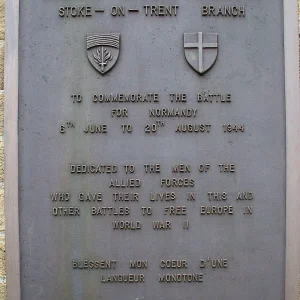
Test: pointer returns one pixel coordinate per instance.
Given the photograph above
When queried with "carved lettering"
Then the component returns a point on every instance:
(216, 210)
(93, 264)
(162, 225)
(75, 11)
(93, 169)
(90, 197)
(110, 211)
(138, 264)
(216, 196)
(126, 98)
(181, 168)
(60, 196)
(65, 211)
(173, 263)
(122, 278)
(125, 183)
(175, 210)
(245, 196)
(173, 112)
(126, 225)
(95, 128)
(223, 11)
(191, 128)
(168, 278)
(126, 197)
(177, 182)
(161, 10)
(152, 168)
(167, 196)
(227, 168)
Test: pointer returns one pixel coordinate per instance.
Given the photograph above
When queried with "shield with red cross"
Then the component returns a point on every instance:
(201, 50)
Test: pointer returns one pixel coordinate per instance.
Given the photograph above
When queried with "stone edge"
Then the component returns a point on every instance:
(292, 100)
(11, 78)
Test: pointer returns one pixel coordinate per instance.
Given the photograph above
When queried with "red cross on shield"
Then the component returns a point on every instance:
(201, 50)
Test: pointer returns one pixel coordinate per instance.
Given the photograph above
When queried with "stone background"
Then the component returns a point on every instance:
(2, 224)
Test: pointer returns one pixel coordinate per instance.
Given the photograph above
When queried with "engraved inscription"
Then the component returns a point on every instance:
(75, 11)
(173, 263)
(216, 210)
(66, 211)
(110, 211)
(122, 278)
(162, 225)
(181, 278)
(126, 225)
(94, 264)
(161, 10)
(138, 264)
(223, 11)
(95, 128)
(150, 128)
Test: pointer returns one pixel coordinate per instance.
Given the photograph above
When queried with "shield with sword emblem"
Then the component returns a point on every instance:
(103, 50)
(201, 50)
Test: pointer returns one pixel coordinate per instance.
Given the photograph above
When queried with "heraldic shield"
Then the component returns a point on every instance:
(103, 50)
(201, 50)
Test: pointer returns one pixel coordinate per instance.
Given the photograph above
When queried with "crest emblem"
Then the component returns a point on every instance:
(201, 50)
(103, 50)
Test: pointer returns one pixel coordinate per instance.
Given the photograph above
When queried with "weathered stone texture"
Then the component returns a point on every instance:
(2, 47)
(299, 13)
(2, 291)
(2, 217)
(2, 257)
(1, 114)
(2, 19)
(1, 161)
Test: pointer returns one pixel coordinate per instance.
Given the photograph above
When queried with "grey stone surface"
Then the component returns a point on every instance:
(54, 64)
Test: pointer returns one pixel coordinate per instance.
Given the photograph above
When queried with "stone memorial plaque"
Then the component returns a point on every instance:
(152, 154)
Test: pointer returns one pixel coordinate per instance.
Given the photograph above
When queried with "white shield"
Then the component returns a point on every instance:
(103, 50)
(201, 50)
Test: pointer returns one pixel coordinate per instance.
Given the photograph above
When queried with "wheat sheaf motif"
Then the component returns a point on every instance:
(102, 56)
